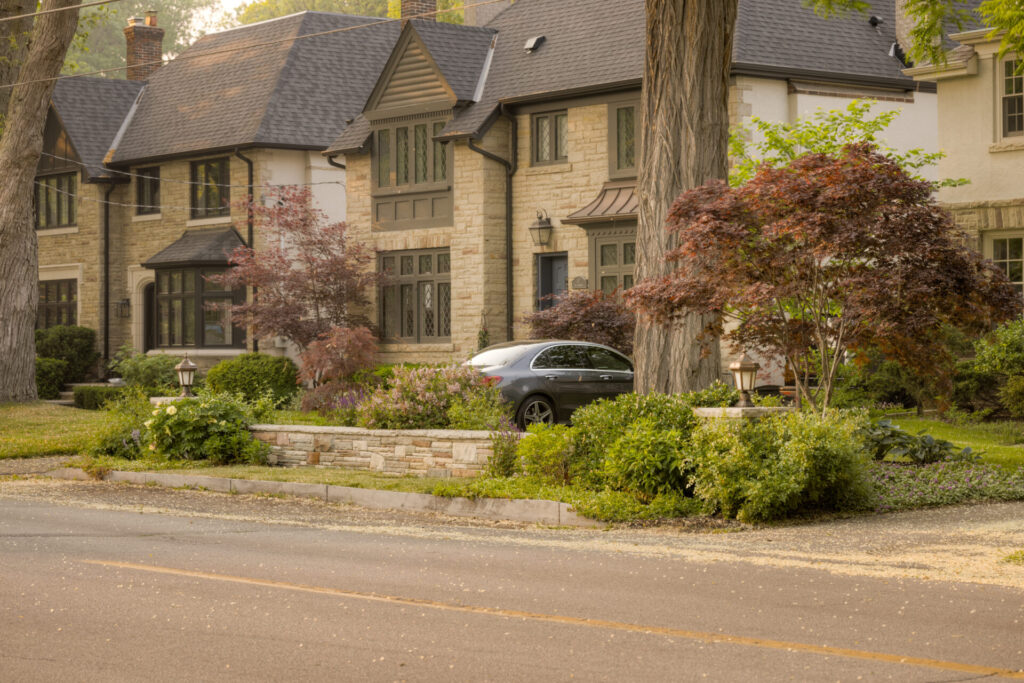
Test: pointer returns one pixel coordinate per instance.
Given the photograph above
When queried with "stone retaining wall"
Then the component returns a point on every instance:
(426, 453)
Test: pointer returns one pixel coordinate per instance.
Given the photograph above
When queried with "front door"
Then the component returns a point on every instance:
(552, 278)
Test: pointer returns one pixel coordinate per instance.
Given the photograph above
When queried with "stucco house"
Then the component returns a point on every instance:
(474, 137)
(981, 129)
(137, 189)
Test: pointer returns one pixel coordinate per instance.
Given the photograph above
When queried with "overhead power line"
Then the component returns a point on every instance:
(253, 46)
(58, 9)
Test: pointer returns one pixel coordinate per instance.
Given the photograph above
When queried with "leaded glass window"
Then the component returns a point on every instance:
(440, 155)
(550, 138)
(384, 158)
(415, 304)
(421, 153)
(625, 130)
(402, 156)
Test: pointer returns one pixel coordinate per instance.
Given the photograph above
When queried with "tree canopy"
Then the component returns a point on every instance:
(261, 10)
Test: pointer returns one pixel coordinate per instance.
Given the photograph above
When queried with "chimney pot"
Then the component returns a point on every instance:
(418, 8)
(151, 17)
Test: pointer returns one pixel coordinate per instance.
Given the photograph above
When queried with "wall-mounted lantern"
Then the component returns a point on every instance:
(124, 308)
(541, 229)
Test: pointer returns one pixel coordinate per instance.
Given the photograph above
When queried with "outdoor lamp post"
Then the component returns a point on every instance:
(186, 370)
(744, 372)
(541, 229)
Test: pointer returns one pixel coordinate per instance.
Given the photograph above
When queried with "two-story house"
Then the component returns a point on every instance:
(495, 165)
(140, 187)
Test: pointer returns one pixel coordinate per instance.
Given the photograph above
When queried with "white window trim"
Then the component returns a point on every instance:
(1004, 142)
(989, 237)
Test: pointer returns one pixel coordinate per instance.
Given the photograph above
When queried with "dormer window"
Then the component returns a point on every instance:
(1013, 99)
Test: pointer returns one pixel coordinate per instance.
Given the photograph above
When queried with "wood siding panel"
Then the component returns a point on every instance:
(414, 81)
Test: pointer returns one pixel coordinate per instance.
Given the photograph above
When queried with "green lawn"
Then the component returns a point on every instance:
(1002, 442)
(30, 430)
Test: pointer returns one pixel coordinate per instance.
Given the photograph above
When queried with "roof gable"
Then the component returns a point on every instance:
(91, 111)
(411, 79)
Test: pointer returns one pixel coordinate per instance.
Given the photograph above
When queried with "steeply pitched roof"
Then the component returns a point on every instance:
(91, 110)
(209, 246)
(460, 52)
(294, 93)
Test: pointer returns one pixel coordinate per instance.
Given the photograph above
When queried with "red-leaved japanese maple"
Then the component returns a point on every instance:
(823, 256)
(586, 315)
(310, 275)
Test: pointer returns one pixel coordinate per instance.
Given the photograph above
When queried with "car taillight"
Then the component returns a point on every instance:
(493, 379)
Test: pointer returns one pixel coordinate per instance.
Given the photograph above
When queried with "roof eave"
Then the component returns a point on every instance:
(942, 72)
(977, 36)
(769, 71)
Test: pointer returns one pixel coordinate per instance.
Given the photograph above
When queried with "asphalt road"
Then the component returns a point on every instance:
(159, 585)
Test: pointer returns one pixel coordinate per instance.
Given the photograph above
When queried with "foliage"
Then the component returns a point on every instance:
(483, 339)
(312, 276)
(99, 43)
(90, 397)
(419, 398)
(900, 487)
(546, 453)
(784, 463)
(261, 10)
(718, 395)
(883, 439)
(122, 436)
(212, 427)
(76, 345)
(143, 370)
(1011, 395)
(823, 132)
(648, 460)
(50, 374)
(997, 442)
(338, 354)
(254, 376)
(585, 315)
(335, 400)
(1002, 351)
(1015, 558)
(39, 429)
(824, 256)
(599, 424)
(482, 409)
(504, 441)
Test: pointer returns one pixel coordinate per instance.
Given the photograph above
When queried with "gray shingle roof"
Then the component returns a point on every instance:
(459, 51)
(295, 94)
(210, 246)
(92, 110)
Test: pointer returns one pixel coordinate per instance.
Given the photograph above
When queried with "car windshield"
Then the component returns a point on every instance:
(492, 358)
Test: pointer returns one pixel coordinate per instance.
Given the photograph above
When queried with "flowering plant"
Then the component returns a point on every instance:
(420, 398)
(212, 427)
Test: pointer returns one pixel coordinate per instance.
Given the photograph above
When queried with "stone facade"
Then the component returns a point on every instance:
(428, 453)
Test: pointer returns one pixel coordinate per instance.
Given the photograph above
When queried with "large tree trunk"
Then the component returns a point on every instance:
(14, 39)
(685, 124)
(20, 147)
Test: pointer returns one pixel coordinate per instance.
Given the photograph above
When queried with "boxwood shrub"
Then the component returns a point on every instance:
(50, 373)
(95, 397)
(72, 344)
(254, 375)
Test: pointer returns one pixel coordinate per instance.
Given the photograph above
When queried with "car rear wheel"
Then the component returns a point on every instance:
(535, 410)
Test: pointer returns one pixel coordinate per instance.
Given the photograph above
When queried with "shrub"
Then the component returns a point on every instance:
(254, 375)
(213, 427)
(339, 354)
(122, 436)
(765, 470)
(1011, 396)
(96, 397)
(75, 345)
(335, 400)
(483, 409)
(1002, 352)
(586, 315)
(50, 374)
(419, 398)
(546, 452)
(649, 460)
(718, 395)
(504, 441)
(142, 370)
(974, 389)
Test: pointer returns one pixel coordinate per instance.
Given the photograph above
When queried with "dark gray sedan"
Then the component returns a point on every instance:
(547, 380)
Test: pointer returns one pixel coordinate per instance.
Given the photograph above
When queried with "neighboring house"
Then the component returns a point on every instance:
(472, 131)
(138, 186)
(981, 129)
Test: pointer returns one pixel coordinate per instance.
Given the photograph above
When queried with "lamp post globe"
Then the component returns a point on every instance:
(744, 373)
(186, 370)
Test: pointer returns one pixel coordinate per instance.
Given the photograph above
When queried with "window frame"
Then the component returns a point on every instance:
(200, 296)
(1015, 98)
(199, 198)
(619, 235)
(990, 252)
(65, 312)
(391, 295)
(65, 200)
(434, 180)
(147, 191)
(553, 157)
(615, 171)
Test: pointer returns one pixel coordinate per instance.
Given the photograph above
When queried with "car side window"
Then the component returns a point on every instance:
(561, 358)
(603, 359)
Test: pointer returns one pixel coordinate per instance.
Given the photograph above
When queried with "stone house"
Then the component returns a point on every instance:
(494, 165)
(139, 187)
(981, 129)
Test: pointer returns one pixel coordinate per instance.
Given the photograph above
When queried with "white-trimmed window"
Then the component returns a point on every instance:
(1012, 95)
(1008, 255)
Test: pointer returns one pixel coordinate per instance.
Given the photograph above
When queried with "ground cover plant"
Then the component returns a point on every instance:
(29, 430)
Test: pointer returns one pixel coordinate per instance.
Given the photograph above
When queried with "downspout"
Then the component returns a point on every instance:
(510, 170)
(249, 220)
(106, 273)
(335, 164)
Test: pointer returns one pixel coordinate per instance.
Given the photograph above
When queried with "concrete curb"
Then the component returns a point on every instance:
(500, 509)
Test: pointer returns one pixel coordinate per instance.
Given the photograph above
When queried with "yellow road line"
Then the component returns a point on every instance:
(588, 623)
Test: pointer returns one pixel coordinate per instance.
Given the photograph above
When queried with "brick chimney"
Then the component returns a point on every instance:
(145, 43)
(413, 8)
(904, 25)
(479, 16)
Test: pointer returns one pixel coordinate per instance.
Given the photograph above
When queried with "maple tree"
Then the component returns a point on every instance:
(586, 315)
(825, 255)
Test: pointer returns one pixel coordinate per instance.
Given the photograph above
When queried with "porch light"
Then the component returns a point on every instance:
(124, 308)
(744, 372)
(186, 370)
(541, 229)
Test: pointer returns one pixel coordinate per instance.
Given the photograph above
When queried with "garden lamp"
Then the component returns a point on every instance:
(186, 370)
(744, 372)
(541, 229)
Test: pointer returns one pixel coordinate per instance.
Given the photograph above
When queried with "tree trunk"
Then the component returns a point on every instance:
(684, 143)
(20, 147)
(14, 39)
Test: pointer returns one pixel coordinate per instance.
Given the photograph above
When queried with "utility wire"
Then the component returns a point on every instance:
(209, 53)
(59, 9)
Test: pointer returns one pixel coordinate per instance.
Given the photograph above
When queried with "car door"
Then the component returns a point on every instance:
(613, 372)
(559, 373)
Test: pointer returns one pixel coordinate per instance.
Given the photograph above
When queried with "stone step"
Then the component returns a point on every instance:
(67, 396)
(60, 402)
